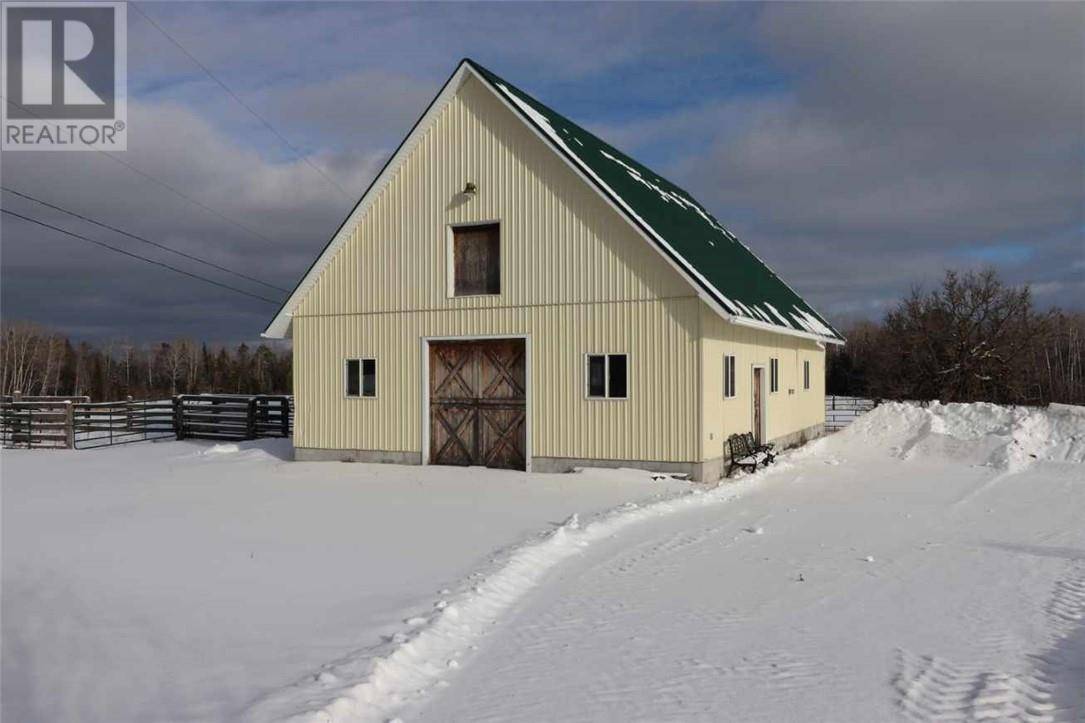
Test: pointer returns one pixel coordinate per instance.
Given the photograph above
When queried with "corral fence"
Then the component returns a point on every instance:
(231, 417)
(37, 421)
(842, 411)
(104, 424)
(77, 423)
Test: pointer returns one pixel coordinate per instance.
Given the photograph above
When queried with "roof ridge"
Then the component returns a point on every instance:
(687, 235)
(527, 96)
(669, 192)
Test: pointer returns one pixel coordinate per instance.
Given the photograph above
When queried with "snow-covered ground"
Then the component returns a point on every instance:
(923, 564)
(184, 581)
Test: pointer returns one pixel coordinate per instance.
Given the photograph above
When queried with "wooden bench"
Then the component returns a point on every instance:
(747, 455)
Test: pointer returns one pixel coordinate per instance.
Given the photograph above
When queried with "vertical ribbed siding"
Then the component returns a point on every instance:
(785, 412)
(575, 277)
(658, 421)
(561, 243)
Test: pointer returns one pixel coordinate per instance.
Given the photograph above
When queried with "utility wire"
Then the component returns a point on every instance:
(137, 256)
(304, 158)
(163, 184)
(197, 259)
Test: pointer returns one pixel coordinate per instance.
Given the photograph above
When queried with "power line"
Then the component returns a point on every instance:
(163, 184)
(142, 239)
(237, 98)
(136, 256)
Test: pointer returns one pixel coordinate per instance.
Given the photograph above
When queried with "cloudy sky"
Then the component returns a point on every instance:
(858, 148)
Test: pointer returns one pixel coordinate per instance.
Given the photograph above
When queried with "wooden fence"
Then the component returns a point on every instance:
(842, 411)
(76, 423)
(231, 417)
(32, 422)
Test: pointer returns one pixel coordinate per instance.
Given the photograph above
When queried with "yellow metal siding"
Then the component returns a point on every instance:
(658, 420)
(561, 243)
(789, 410)
(574, 276)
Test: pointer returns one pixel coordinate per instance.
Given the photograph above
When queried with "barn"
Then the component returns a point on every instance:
(512, 291)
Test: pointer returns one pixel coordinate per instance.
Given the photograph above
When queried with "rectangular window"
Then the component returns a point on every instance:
(774, 375)
(361, 378)
(728, 376)
(369, 377)
(616, 376)
(476, 260)
(353, 377)
(806, 375)
(608, 376)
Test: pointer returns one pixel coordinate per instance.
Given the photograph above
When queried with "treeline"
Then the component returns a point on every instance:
(37, 361)
(972, 339)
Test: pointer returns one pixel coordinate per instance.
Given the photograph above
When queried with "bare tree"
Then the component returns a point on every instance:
(973, 338)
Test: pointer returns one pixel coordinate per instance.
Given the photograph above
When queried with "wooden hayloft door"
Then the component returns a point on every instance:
(478, 403)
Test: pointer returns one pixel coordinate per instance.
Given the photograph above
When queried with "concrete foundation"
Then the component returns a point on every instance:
(567, 464)
(710, 471)
(310, 454)
(800, 437)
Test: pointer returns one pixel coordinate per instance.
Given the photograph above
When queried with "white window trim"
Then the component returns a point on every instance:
(376, 384)
(764, 400)
(726, 376)
(450, 258)
(606, 375)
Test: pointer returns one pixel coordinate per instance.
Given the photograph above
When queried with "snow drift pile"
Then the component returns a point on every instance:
(1005, 438)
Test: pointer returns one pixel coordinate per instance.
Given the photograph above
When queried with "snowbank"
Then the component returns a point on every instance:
(925, 576)
(375, 685)
(220, 580)
(1005, 438)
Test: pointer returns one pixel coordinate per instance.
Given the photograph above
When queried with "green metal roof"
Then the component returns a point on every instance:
(687, 233)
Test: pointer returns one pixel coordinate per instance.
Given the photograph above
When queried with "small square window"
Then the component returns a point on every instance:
(608, 376)
(361, 378)
(476, 260)
(728, 376)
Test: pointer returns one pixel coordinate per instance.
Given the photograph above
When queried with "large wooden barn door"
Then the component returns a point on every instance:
(478, 403)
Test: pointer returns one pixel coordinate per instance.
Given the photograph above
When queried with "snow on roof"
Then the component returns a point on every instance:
(725, 268)
(727, 274)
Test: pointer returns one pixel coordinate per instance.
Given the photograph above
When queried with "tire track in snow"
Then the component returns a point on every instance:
(931, 688)
(604, 624)
(936, 689)
(367, 686)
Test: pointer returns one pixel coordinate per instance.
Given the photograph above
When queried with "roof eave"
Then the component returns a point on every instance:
(777, 329)
(279, 327)
(706, 291)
